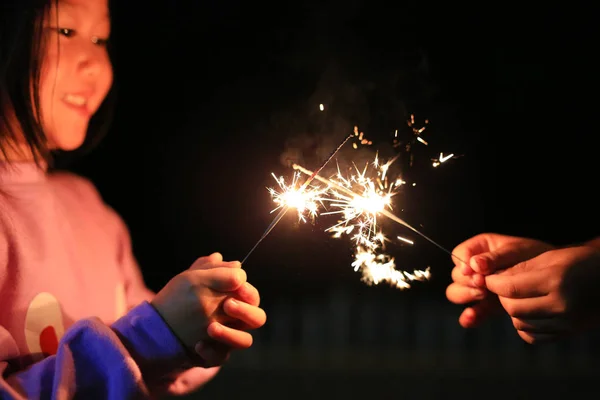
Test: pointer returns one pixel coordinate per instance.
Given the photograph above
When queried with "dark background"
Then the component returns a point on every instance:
(213, 95)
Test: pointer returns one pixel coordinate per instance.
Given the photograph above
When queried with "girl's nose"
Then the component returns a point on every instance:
(93, 59)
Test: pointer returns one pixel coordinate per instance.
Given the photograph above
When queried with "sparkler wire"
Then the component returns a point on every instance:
(312, 176)
(382, 212)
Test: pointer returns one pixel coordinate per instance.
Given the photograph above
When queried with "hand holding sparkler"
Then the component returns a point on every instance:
(548, 292)
(200, 304)
(484, 254)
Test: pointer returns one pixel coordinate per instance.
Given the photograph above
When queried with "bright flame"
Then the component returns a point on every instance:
(372, 193)
(303, 201)
(370, 202)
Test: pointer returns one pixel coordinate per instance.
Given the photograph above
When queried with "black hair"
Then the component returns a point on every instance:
(22, 46)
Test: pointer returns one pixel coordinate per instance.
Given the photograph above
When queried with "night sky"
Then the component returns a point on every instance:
(212, 95)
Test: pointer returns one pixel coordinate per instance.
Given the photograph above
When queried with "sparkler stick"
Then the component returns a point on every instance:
(383, 211)
(312, 176)
(316, 173)
(267, 231)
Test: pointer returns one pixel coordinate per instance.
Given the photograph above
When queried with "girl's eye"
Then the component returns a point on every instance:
(66, 32)
(99, 41)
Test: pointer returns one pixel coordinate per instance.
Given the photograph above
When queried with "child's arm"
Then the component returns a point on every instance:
(125, 360)
(183, 381)
(138, 354)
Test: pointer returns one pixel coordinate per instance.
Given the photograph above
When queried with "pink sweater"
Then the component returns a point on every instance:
(74, 311)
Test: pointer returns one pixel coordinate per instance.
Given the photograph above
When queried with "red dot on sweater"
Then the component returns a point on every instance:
(48, 340)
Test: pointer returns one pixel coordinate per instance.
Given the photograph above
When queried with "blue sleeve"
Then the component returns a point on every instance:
(135, 356)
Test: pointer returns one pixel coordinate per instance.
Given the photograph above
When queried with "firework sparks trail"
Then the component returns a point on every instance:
(294, 194)
(360, 199)
(379, 209)
(305, 202)
(360, 213)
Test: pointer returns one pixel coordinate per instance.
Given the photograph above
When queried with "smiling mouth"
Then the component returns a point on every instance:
(77, 102)
(75, 99)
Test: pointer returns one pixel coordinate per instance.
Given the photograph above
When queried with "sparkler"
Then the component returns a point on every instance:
(305, 202)
(360, 199)
(299, 197)
(373, 208)
(360, 211)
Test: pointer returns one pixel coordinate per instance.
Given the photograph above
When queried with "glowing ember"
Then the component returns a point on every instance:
(303, 201)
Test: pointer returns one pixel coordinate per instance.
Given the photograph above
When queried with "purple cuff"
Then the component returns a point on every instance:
(150, 341)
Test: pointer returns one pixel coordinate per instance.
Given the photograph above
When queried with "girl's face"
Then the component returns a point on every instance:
(76, 70)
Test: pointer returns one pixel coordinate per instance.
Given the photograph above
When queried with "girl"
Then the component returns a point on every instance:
(76, 319)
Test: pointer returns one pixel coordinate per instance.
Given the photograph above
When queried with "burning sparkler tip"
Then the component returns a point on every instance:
(360, 198)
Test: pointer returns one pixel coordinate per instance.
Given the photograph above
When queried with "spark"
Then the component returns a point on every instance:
(408, 143)
(359, 199)
(437, 162)
(362, 140)
(305, 202)
(297, 196)
(417, 131)
(359, 211)
(377, 268)
(442, 158)
(405, 240)
(322, 107)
